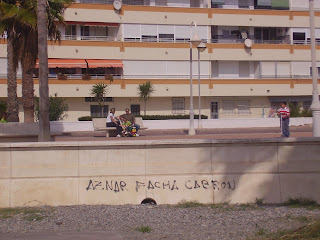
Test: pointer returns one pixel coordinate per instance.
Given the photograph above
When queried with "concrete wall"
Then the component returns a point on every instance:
(167, 171)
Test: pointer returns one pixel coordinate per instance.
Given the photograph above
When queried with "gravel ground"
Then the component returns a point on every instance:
(165, 222)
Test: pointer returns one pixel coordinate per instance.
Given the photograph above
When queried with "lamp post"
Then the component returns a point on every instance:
(315, 106)
(194, 41)
(201, 47)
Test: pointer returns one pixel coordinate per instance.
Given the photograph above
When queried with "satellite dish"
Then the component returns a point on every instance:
(117, 5)
(248, 43)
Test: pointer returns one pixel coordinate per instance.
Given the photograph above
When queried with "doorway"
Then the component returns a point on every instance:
(214, 110)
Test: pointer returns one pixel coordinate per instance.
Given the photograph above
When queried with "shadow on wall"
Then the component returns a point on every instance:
(273, 172)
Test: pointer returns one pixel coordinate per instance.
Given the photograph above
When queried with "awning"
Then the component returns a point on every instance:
(65, 63)
(96, 63)
(93, 24)
(81, 63)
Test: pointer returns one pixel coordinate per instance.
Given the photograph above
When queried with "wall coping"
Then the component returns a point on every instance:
(134, 144)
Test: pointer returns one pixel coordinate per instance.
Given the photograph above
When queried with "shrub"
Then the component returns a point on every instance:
(85, 118)
(3, 107)
(295, 111)
(58, 108)
(167, 117)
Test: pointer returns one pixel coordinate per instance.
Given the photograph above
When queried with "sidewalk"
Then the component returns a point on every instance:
(226, 133)
(62, 236)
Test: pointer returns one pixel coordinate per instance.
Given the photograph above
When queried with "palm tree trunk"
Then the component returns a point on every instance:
(27, 94)
(12, 103)
(145, 107)
(44, 122)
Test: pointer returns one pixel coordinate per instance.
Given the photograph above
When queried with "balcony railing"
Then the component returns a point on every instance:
(181, 40)
(177, 76)
(139, 3)
(89, 38)
(92, 76)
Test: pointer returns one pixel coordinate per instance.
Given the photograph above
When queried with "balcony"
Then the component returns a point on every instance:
(162, 3)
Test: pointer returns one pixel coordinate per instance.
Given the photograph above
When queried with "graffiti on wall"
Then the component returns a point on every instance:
(173, 185)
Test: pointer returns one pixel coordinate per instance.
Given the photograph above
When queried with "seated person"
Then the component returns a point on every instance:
(130, 117)
(112, 122)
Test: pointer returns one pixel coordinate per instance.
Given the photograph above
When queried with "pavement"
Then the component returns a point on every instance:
(62, 236)
(226, 133)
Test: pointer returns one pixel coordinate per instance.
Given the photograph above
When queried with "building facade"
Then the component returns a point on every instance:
(148, 40)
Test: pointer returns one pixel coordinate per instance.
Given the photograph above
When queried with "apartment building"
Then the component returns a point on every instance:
(148, 40)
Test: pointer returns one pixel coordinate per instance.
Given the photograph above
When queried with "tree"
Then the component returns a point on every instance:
(145, 91)
(22, 21)
(28, 46)
(99, 91)
(11, 18)
(58, 108)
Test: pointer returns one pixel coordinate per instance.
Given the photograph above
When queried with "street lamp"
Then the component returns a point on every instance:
(194, 41)
(201, 47)
(315, 106)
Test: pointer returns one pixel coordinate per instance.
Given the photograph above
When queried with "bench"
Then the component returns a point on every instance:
(140, 122)
(99, 124)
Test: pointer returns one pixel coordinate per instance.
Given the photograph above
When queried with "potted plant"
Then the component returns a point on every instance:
(62, 76)
(86, 76)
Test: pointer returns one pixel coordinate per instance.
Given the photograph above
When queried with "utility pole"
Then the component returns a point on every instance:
(44, 122)
(315, 106)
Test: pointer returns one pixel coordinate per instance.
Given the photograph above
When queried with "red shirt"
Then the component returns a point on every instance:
(285, 112)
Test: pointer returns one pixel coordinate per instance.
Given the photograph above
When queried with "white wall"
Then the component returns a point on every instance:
(231, 69)
(302, 68)
(3, 66)
(303, 4)
(163, 68)
(235, 4)
(306, 31)
(137, 30)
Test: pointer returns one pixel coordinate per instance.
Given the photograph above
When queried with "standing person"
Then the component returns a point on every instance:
(284, 114)
(128, 116)
(112, 122)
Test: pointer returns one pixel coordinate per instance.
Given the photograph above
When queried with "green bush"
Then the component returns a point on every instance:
(167, 117)
(3, 107)
(153, 117)
(85, 118)
(58, 108)
(296, 111)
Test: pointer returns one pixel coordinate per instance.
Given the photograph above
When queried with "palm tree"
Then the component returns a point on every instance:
(98, 91)
(10, 18)
(22, 20)
(29, 47)
(145, 91)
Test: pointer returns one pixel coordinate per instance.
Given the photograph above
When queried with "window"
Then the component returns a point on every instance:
(85, 31)
(95, 111)
(318, 71)
(166, 37)
(92, 99)
(161, 2)
(306, 105)
(243, 4)
(71, 30)
(244, 107)
(178, 105)
(228, 107)
(149, 38)
(133, 2)
(135, 109)
(195, 3)
(299, 36)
